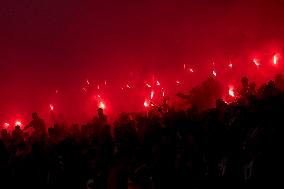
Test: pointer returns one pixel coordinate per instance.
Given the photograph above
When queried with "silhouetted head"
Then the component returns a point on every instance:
(17, 127)
(34, 115)
(245, 81)
(100, 111)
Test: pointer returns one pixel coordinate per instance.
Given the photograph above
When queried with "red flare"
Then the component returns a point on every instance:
(99, 96)
(102, 105)
(231, 91)
(128, 86)
(191, 70)
(51, 107)
(18, 123)
(214, 73)
(177, 82)
(148, 85)
(256, 62)
(88, 83)
(105, 82)
(275, 59)
(184, 66)
(231, 65)
(158, 83)
(146, 104)
(98, 87)
(163, 94)
(152, 94)
(6, 125)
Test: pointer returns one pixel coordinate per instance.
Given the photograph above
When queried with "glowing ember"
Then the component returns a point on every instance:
(102, 105)
(177, 82)
(191, 70)
(18, 123)
(256, 62)
(146, 104)
(128, 86)
(275, 59)
(231, 65)
(148, 85)
(231, 91)
(214, 73)
(158, 83)
(6, 124)
(51, 107)
(152, 94)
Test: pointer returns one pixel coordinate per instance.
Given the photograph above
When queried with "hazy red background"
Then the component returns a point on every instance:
(57, 44)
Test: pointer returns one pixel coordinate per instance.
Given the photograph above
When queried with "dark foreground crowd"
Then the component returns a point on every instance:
(237, 145)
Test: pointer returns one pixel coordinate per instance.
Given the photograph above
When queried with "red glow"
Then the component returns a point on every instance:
(128, 86)
(158, 83)
(231, 65)
(98, 87)
(99, 96)
(275, 59)
(191, 70)
(256, 62)
(148, 85)
(51, 107)
(88, 83)
(146, 104)
(102, 105)
(214, 73)
(84, 89)
(152, 94)
(56, 91)
(105, 82)
(231, 91)
(184, 66)
(163, 93)
(177, 82)
(6, 125)
(18, 123)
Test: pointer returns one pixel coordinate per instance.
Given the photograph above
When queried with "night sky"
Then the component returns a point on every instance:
(48, 45)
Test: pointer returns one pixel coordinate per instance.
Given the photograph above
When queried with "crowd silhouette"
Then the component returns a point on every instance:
(236, 145)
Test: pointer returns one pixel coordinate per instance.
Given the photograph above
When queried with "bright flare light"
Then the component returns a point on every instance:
(275, 59)
(177, 82)
(88, 83)
(256, 62)
(146, 104)
(148, 85)
(163, 93)
(51, 107)
(191, 70)
(6, 124)
(18, 123)
(231, 65)
(102, 105)
(214, 73)
(158, 83)
(128, 86)
(231, 91)
(152, 94)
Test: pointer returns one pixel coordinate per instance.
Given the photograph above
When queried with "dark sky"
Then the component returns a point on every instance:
(57, 44)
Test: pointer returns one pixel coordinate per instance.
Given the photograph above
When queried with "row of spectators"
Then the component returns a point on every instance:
(237, 145)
